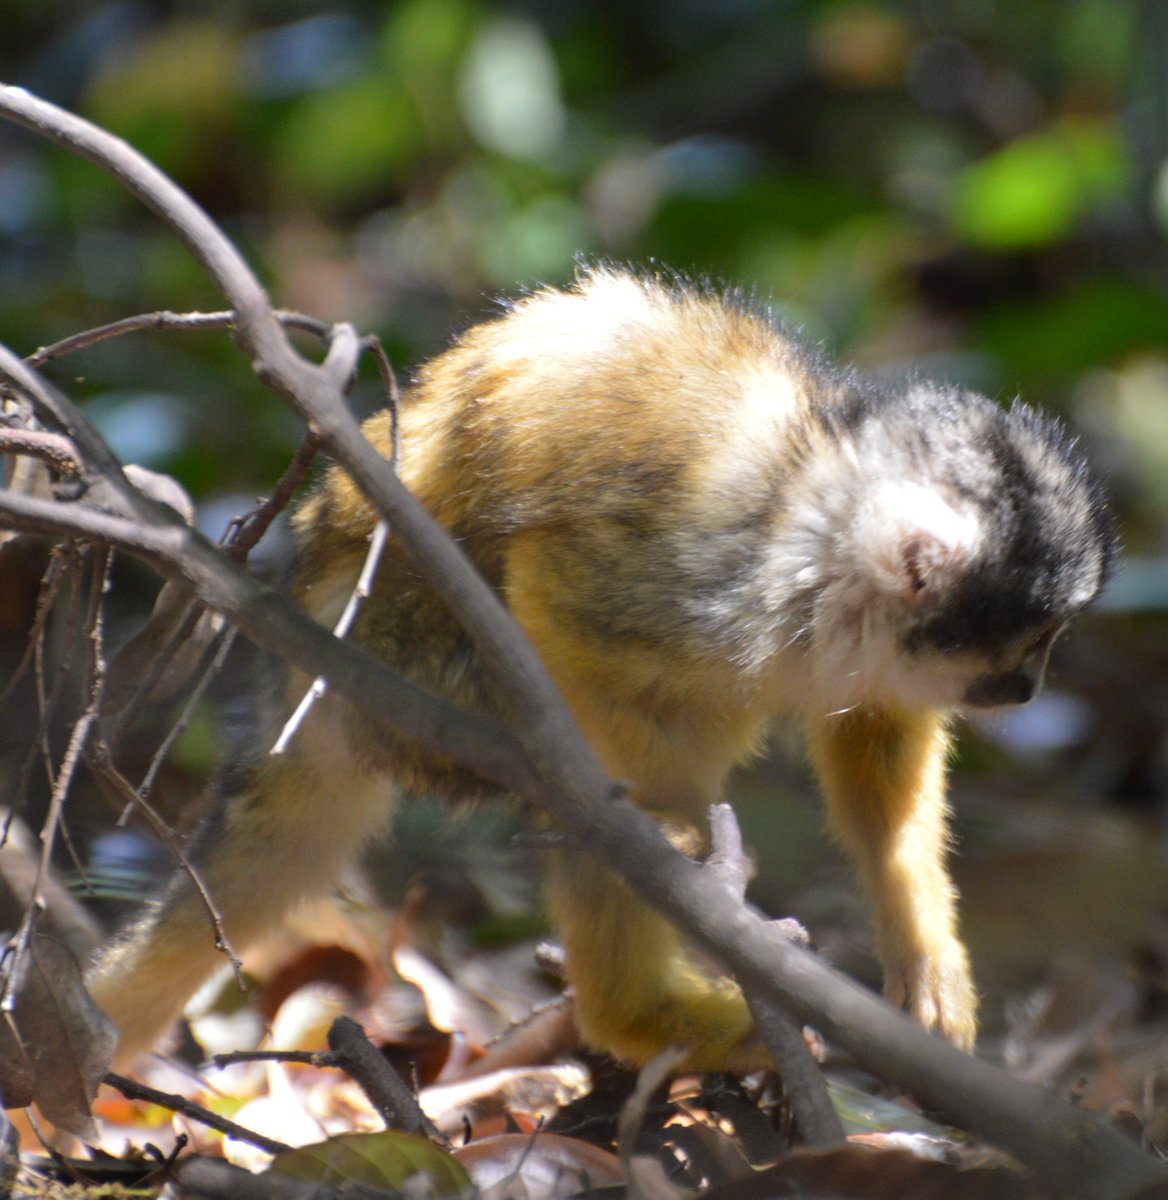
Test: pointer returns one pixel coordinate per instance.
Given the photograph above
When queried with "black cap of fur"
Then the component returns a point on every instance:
(1048, 540)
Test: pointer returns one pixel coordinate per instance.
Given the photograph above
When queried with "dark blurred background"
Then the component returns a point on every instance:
(976, 189)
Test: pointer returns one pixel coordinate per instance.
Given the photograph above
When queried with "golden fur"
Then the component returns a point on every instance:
(679, 504)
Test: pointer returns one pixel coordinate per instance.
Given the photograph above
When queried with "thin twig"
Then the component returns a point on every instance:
(632, 1113)
(358, 1057)
(101, 762)
(340, 365)
(46, 599)
(307, 1058)
(133, 1090)
(166, 320)
(211, 664)
(357, 596)
(99, 578)
(51, 448)
(70, 557)
(373, 346)
(245, 532)
(803, 1081)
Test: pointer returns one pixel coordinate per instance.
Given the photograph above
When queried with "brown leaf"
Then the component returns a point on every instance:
(547, 1164)
(17, 1080)
(58, 1034)
(536, 1090)
(863, 1173)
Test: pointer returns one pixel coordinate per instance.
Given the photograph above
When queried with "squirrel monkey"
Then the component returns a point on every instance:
(702, 526)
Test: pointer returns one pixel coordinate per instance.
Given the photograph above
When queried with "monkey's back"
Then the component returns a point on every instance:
(629, 442)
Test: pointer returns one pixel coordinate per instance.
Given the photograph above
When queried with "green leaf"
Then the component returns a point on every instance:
(383, 1160)
(342, 142)
(1044, 343)
(1033, 191)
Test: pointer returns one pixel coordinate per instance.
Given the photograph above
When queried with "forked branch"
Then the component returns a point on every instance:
(544, 758)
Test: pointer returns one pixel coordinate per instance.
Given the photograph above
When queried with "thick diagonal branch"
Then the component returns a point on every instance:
(1078, 1154)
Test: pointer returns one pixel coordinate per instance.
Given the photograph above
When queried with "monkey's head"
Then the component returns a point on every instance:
(977, 532)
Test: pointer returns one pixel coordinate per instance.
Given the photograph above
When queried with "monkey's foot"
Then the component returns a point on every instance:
(938, 991)
(708, 1017)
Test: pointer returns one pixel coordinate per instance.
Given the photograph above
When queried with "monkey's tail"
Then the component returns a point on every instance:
(284, 840)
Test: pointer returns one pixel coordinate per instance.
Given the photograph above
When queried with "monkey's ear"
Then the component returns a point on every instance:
(913, 541)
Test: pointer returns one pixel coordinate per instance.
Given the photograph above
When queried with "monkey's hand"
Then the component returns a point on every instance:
(883, 776)
(938, 990)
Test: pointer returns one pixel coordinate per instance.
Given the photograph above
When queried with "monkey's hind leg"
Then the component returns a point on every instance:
(636, 988)
(283, 840)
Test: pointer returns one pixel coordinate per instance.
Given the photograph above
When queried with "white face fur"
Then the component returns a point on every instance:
(909, 545)
(868, 663)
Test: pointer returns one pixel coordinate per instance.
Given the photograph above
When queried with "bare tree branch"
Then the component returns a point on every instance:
(166, 320)
(270, 620)
(542, 719)
(356, 1055)
(133, 1090)
(1075, 1151)
(51, 448)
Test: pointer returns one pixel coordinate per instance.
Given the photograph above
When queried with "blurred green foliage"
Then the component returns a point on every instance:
(1036, 190)
(973, 187)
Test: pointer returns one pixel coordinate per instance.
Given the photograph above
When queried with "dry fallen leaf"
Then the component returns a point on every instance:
(58, 1044)
(544, 1165)
(538, 1091)
(857, 1172)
